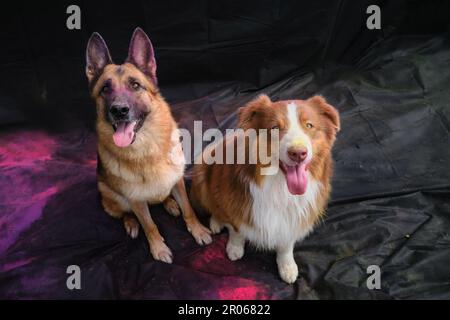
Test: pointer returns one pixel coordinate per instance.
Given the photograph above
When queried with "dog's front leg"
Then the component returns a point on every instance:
(158, 248)
(200, 233)
(235, 244)
(286, 264)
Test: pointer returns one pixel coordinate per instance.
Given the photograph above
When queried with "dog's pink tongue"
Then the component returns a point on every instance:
(296, 178)
(124, 134)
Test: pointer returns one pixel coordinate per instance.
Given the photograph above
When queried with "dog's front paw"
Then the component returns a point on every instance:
(288, 271)
(160, 251)
(200, 233)
(234, 252)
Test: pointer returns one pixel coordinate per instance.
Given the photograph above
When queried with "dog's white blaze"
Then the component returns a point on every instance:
(294, 132)
(279, 218)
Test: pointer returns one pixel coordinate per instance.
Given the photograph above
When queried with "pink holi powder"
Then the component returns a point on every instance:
(23, 148)
(213, 258)
(244, 289)
(15, 264)
(22, 217)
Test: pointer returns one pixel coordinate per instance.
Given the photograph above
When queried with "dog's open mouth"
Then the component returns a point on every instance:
(124, 133)
(296, 177)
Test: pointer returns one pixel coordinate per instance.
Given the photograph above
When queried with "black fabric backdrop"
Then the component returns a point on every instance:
(391, 186)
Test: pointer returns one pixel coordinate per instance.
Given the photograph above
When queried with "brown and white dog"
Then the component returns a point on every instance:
(273, 211)
(140, 159)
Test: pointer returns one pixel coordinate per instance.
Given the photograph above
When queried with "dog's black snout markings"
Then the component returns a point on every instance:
(119, 111)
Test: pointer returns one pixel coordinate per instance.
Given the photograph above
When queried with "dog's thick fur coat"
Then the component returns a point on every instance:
(140, 158)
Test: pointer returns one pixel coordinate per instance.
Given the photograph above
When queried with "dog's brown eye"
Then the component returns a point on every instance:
(275, 127)
(309, 125)
(135, 85)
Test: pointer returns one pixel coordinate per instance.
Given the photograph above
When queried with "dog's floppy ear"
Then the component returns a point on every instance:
(252, 109)
(97, 56)
(141, 54)
(326, 110)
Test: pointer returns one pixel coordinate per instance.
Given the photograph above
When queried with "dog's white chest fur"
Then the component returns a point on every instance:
(278, 217)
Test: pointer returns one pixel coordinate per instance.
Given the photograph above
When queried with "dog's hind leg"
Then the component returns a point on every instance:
(113, 203)
(117, 206)
(131, 225)
(171, 206)
(112, 207)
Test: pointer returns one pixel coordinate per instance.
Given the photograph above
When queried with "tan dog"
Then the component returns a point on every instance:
(140, 159)
(275, 211)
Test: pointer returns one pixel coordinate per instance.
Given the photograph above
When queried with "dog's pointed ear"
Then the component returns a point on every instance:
(326, 110)
(97, 56)
(141, 54)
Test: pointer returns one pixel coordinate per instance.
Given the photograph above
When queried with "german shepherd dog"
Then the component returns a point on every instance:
(140, 158)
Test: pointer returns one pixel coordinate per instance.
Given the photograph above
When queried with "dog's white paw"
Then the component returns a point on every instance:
(160, 251)
(234, 252)
(288, 271)
(215, 226)
(201, 234)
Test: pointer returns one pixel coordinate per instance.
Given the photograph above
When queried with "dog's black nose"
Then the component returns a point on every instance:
(119, 111)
